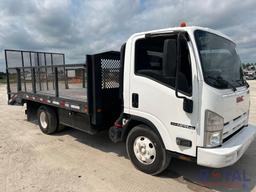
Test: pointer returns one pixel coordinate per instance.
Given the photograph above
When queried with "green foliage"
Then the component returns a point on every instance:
(249, 65)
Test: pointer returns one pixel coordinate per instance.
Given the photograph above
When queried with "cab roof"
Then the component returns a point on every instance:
(189, 29)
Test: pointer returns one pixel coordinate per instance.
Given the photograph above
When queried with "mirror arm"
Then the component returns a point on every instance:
(178, 67)
(187, 103)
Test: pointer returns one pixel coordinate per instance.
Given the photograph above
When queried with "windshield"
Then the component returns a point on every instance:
(220, 63)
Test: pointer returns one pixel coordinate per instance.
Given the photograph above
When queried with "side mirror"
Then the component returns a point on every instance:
(188, 105)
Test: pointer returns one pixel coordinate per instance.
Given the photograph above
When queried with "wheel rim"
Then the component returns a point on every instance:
(43, 120)
(144, 150)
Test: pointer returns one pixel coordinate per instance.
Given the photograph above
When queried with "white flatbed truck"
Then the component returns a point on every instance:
(176, 92)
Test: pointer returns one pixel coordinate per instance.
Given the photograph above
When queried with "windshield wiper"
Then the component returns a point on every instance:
(222, 81)
(243, 82)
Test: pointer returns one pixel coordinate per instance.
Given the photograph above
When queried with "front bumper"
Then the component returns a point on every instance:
(230, 152)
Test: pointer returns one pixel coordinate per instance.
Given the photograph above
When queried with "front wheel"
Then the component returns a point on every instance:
(146, 150)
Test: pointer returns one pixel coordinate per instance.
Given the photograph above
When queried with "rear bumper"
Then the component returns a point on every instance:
(230, 152)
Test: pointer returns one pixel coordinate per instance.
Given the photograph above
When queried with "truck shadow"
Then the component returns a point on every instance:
(99, 141)
(239, 177)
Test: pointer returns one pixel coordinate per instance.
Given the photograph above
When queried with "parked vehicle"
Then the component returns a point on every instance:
(250, 74)
(169, 93)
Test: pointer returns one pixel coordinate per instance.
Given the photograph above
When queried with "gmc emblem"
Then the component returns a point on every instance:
(239, 99)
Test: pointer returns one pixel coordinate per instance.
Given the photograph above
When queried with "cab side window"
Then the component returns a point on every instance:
(156, 59)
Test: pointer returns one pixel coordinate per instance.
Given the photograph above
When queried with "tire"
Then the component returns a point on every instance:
(47, 120)
(146, 150)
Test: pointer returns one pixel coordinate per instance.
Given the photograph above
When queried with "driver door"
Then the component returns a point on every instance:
(152, 90)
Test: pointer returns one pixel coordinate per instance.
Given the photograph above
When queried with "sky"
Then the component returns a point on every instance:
(80, 27)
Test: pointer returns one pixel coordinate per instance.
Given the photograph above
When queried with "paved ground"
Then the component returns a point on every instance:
(75, 161)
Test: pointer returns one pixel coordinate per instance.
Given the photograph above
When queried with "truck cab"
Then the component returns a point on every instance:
(184, 95)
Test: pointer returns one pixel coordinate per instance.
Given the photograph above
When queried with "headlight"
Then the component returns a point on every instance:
(214, 124)
(213, 138)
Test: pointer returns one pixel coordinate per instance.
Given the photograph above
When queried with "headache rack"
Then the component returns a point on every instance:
(91, 88)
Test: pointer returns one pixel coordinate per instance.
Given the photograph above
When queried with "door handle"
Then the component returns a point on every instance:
(135, 100)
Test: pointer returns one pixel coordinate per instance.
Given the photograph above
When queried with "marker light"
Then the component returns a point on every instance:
(183, 24)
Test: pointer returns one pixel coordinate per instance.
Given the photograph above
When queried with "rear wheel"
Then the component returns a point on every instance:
(146, 150)
(47, 120)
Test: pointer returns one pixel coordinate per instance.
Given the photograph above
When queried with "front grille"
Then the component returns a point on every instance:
(237, 131)
(226, 123)
(237, 118)
(234, 125)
